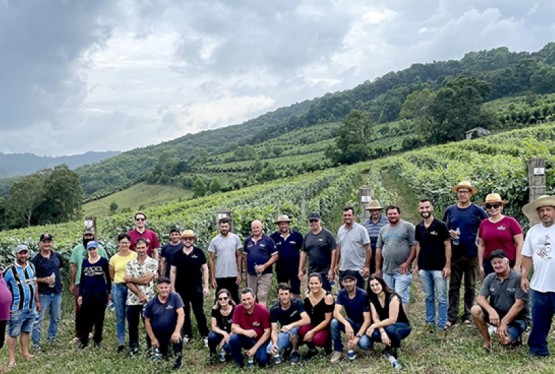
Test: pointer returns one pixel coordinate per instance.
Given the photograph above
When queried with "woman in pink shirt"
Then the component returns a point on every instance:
(498, 232)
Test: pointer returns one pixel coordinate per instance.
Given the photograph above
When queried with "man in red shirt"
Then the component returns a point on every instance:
(251, 330)
(141, 232)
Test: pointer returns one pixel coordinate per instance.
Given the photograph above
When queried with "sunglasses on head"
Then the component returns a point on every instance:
(493, 206)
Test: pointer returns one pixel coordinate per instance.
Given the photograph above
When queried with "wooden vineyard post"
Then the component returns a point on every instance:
(366, 195)
(224, 214)
(536, 178)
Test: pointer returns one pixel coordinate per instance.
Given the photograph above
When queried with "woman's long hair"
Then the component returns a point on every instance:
(229, 298)
(372, 297)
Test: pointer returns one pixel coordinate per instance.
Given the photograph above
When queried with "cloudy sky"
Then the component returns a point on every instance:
(100, 75)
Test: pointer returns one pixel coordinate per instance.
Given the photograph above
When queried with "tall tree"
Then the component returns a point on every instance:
(26, 194)
(353, 137)
(63, 196)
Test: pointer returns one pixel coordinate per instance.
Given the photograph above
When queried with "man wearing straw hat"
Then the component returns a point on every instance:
(538, 251)
(373, 224)
(288, 244)
(463, 220)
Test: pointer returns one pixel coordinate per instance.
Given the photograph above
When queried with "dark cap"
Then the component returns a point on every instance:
(45, 236)
(349, 274)
(314, 215)
(498, 253)
(163, 280)
(174, 229)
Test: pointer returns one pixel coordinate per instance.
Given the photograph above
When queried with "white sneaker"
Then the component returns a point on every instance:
(335, 357)
(205, 341)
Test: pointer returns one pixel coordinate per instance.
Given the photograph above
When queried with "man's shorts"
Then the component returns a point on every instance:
(514, 329)
(21, 321)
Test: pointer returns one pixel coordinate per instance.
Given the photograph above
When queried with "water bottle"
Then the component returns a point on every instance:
(492, 330)
(250, 362)
(156, 356)
(393, 361)
(111, 306)
(277, 358)
(351, 354)
(457, 239)
(222, 355)
(53, 284)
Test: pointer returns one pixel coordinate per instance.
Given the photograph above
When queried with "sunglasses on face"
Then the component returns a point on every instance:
(463, 191)
(493, 206)
(312, 220)
(91, 249)
(140, 219)
(222, 298)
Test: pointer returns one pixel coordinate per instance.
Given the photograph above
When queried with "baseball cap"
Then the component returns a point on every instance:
(498, 253)
(349, 274)
(46, 236)
(314, 215)
(163, 280)
(21, 248)
(92, 244)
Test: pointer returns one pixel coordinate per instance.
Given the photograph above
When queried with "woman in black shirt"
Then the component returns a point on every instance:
(222, 313)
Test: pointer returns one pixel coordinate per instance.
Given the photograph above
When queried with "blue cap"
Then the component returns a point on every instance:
(92, 244)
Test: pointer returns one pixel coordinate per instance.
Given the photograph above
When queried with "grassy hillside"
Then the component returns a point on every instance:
(140, 196)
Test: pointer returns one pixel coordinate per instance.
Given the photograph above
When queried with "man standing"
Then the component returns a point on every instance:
(260, 254)
(251, 330)
(395, 251)
(164, 318)
(507, 308)
(189, 278)
(433, 252)
(141, 232)
(139, 278)
(463, 220)
(168, 250)
(226, 260)
(22, 283)
(538, 251)
(320, 247)
(286, 316)
(289, 244)
(373, 225)
(78, 254)
(356, 320)
(47, 271)
(353, 247)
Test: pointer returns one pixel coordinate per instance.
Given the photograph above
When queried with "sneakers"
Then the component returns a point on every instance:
(121, 348)
(336, 356)
(83, 346)
(205, 341)
(186, 339)
(295, 357)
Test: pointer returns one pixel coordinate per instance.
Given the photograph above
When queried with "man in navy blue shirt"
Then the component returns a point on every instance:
(462, 220)
(260, 254)
(356, 320)
(288, 244)
(164, 317)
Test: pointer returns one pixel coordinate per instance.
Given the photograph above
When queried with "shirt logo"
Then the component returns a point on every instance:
(169, 307)
(435, 233)
(543, 248)
(256, 324)
(502, 228)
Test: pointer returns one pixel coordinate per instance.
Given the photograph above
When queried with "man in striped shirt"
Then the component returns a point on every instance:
(22, 283)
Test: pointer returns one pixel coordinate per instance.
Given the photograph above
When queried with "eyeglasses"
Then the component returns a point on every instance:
(140, 219)
(463, 191)
(223, 298)
(493, 206)
(188, 239)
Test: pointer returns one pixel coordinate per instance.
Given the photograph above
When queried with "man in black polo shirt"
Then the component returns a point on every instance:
(507, 308)
(286, 316)
(189, 278)
(433, 251)
(288, 244)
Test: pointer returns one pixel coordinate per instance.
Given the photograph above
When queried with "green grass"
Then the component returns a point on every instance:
(132, 198)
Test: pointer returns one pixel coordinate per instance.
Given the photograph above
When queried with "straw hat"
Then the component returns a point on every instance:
(494, 198)
(372, 205)
(530, 210)
(283, 218)
(188, 234)
(464, 184)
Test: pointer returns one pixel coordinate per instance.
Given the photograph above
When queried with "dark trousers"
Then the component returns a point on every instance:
(194, 298)
(77, 314)
(289, 273)
(164, 341)
(2, 332)
(134, 313)
(467, 267)
(92, 312)
(230, 284)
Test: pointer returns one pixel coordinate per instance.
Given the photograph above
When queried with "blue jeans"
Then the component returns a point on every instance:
(51, 303)
(284, 342)
(400, 283)
(214, 339)
(336, 327)
(543, 308)
(238, 342)
(119, 296)
(395, 332)
(434, 286)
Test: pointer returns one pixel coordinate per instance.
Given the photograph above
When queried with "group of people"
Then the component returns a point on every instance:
(373, 261)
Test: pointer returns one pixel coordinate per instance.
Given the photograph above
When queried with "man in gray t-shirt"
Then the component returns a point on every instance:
(395, 251)
(353, 247)
(225, 260)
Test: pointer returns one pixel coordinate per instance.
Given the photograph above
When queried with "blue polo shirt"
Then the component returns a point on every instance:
(258, 253)
(374, 229)
(288, 248)
(21, 283)
(355, 307)
(467, 220)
